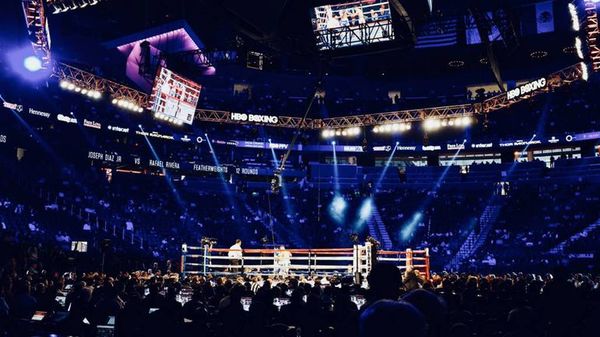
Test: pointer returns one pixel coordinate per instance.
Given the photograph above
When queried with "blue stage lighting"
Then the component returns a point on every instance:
(32, 63)
(337, 209)
(366, 209)
(409, 227)
(333, 143)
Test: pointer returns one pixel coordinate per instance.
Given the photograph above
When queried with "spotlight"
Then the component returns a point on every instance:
(444, 123)
(466, 121)
(114, 101)
(584, 72)
(269, 140)
(578, 47)
(333, 143)
(71, 86)
(451, 122)
(77, 89)
(338, 133)
(84, 91)
(574, 17)
(397, 143)
(64, 84)
(376, 129)
(32, 63)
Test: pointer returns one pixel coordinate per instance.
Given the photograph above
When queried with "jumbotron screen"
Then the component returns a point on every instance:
(352, 24)
(174, 96)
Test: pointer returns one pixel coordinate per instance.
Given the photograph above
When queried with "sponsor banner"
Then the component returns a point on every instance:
(154, 134)
(553, 140)
(460, 146)
(117, 129)
(185, 139)
(108, 157)
(519, 142)
(585, 136)
(252, 118)
(92, 124)
(482, 145)
(39, 113)
(432, 148)
(385, 148)
(13, 106)
(527, 88)
(66, 119)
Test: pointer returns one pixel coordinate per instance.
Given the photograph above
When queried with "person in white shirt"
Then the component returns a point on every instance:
(235, 256)
(282, 261)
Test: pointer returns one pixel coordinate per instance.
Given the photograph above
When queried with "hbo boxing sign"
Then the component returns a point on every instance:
(527, 88)
(242, 117)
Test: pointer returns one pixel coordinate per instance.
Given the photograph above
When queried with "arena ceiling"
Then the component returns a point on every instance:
(281, 29)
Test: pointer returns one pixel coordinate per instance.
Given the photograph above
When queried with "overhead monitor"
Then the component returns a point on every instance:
(350, 24)
(174, 97)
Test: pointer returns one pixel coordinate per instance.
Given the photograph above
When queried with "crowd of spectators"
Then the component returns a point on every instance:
(156, 302)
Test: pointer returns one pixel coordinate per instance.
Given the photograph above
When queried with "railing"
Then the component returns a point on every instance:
(325, 261)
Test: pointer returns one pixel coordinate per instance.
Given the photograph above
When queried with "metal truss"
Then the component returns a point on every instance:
(414, 115)
(37, 27)
(593, 33)
(557, 79)
(88, 80)
(219, 116)
(363, 34)
(116, 90)
(61, 6)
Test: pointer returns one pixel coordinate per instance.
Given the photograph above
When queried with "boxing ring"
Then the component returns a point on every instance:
(205, 260)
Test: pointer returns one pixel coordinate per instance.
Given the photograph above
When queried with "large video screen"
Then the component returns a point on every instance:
(352, 24)
(174, 97)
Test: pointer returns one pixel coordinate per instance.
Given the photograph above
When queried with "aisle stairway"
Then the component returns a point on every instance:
(476, 239)
(378, 230)
(575, 237)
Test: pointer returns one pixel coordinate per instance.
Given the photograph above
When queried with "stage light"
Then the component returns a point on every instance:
(77, 89)
(409, 227)
(337, 208)
(376, 129)
(366, 209)
(574, 17)
(269, 140)
(444, 123)
(333, 143)
(584, 71)
(63, 84)
(71, 86)
(84, 91)
(451, 122)
(466, 121)
(397, 143)
(32, 63)
(578, 47)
